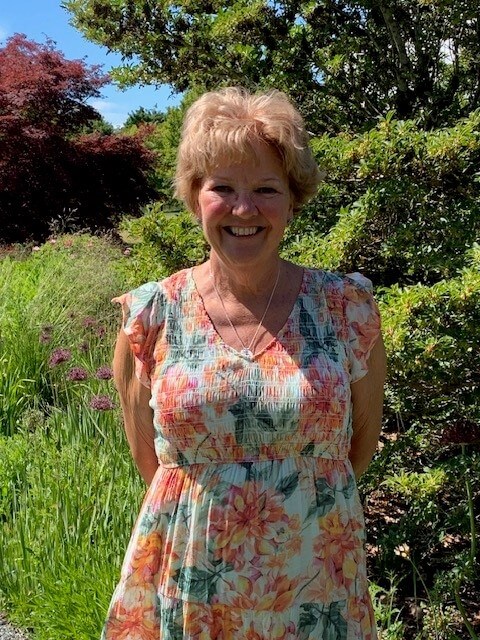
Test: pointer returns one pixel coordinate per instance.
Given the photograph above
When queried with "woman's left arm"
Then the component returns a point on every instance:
(367, 399)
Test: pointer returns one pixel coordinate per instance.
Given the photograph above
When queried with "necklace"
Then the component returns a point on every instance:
(246, 351)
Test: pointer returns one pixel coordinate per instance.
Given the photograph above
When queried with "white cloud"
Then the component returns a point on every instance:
(111, 111)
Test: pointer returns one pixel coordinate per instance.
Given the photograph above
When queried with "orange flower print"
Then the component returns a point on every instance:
(276, 631)
(338, 546)
(249, 518)
(211, 622)
(269, 592)
(133, 617)
(145, 561)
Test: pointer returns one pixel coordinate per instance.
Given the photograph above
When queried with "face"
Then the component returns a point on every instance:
(244, 208)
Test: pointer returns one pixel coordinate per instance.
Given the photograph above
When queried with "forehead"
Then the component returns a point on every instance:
(263, 161)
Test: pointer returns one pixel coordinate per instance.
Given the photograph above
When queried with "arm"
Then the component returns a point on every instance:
(137, 414)
(367, 399)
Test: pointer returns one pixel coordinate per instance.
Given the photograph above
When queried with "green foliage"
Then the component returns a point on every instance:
(163, 243)
(432, 336)
(44, 305)
(69, 492)
(398, 203)
(327, 55)
(144, 116)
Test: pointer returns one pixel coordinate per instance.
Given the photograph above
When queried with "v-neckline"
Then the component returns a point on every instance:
(221, 342)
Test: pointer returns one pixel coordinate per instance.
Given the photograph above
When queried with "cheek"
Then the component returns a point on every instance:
(211, 207)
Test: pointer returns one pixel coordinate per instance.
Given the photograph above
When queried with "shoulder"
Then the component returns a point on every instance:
(151, 298)
(338, 285)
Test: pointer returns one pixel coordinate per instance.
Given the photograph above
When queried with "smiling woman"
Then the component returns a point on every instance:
(251, 390)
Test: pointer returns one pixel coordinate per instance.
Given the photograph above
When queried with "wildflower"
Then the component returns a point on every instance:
(84, 347)
(45, 337)
(36, 248)
(402, 550)
(104, 373)
(127, 251)
(52, 241)
(88, 322)
(102, 403)
(77, 373)
(58, 356)
(101, 331)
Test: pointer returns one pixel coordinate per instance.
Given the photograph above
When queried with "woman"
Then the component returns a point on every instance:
(252, 395)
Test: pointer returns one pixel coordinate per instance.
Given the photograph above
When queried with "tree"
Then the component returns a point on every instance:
(345, 63)
(49, 168)
(144, 116)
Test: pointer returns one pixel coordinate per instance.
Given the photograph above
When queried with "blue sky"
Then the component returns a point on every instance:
(39, 19)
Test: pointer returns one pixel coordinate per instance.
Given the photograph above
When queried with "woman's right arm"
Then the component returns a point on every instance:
(137, 414)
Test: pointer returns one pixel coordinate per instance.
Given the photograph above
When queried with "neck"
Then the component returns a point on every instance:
(242, 282)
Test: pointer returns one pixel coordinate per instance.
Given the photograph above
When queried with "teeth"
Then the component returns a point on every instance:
(243, 231)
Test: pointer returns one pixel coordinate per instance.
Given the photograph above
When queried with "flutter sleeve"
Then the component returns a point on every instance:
(143, 317)
(362, 322)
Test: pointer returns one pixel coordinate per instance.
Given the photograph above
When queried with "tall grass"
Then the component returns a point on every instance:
(68, 490)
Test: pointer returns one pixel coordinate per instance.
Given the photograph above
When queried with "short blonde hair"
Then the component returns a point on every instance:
(222, 126)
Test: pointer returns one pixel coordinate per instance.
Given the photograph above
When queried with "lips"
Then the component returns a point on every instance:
(243, 231)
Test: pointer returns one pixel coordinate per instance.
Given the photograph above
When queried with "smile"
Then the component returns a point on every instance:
(243, 231)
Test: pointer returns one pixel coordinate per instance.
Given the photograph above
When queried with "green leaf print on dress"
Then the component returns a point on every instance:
(324, 619)
(319, 339)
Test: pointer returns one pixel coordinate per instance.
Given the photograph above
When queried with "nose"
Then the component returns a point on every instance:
(244, 205)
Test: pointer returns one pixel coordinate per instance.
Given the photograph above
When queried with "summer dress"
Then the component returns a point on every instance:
(252, 528)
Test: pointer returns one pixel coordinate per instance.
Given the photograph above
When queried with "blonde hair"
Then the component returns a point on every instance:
(223, 126)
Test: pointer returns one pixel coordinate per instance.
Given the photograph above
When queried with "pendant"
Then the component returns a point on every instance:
(246, 353)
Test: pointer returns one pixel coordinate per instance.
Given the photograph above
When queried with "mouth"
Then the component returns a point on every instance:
(243, 231)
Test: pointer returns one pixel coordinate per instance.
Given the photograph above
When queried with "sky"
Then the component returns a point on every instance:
(42, 19)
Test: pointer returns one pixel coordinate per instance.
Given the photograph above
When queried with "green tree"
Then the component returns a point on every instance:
(345, 63)
(144, 116)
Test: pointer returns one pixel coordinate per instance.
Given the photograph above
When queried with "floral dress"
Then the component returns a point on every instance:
(252, 528)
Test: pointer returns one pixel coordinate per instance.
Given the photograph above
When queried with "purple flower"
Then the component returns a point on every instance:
(101, 331)
(88, 322)
(84, 347)
(102, 403)
(77, 373)
(58, 356)
(104, 373)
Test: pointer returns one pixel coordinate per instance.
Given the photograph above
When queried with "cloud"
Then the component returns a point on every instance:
(111, 111)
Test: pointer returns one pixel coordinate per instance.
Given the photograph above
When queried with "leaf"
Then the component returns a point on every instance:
(265, 420)
(288, 484)
(349, 488)
(308, 621)
(308, 449)
(325, 496)
(196, 582)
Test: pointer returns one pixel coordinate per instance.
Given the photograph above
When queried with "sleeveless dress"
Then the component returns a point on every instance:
(252, 528)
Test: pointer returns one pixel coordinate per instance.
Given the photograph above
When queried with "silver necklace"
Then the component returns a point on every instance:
(246, 352)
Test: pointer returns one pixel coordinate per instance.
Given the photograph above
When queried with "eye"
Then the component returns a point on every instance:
(266, 190)
(222, 188)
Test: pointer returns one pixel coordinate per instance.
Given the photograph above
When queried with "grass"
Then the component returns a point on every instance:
(68, 490)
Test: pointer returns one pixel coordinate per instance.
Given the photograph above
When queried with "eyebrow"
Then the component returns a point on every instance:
(226, 179)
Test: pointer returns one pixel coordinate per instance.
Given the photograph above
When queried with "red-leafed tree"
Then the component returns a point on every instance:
(50, 169)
